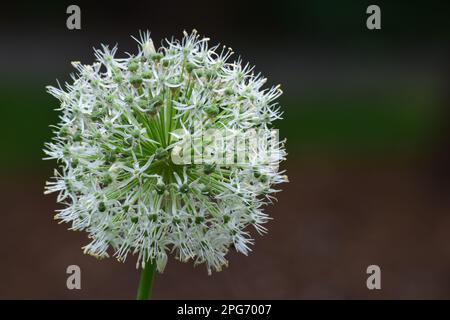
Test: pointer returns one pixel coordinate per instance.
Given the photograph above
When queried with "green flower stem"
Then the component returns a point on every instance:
(146, 282)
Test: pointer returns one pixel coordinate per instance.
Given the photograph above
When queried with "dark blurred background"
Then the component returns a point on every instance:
(367, 118)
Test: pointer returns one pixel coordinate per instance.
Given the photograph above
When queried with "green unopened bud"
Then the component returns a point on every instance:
(109, 98)
(156, 101)
(209, 74)
(117, 78)
(152, 111)
(228, 91)
(184, 188)
(97, 115)
(97, 135)
(198, 72)
(136, 81)
(95, 83)
(161, 153)
(108, 124)
(106, 179)
(147, 74)
(77, 136)
(110, 157)
(136, 133)
(206, 190)
(64, 131)
(190, 67)
(143, 103)
(156, 56)
(102, 207)
(209, 168)
(160, 187)
(129, 99)
(199, 220)
(133, 66)
(74, 163)
(263, 179)
(212, 110)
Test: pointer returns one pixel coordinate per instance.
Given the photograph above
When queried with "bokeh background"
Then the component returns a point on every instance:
(367, 118)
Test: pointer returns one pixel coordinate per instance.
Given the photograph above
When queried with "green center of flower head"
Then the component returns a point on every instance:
(120, 126)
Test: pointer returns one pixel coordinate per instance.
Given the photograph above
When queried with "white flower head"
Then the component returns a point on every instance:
(118, 129)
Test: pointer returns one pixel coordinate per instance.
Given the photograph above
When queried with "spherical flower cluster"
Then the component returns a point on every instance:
(113, 145)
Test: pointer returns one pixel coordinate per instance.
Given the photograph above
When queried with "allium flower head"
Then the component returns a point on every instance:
(122, 120)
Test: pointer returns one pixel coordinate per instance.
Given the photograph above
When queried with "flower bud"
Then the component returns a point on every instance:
(184, 188)
(136, 81)
(212, 110)
(160, 187)
(209, 168)
(161, 153)
(148, 48)
(101, 207)
(133, 66)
